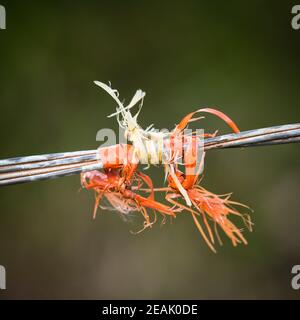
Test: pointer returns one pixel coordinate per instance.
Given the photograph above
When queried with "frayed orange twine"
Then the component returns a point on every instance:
(127, 190)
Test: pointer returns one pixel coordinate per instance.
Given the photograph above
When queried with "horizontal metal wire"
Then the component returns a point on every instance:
(48, 164)
(44, 157)
(51, 174)
(54, 165)
(265, 136)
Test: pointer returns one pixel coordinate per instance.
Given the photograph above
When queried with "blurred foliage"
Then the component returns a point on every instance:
(242, 58)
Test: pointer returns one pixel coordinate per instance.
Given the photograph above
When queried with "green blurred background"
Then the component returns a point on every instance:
(241, 57)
